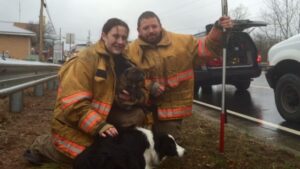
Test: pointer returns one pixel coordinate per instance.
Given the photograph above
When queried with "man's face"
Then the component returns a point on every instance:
(116, 39)
(150, 30)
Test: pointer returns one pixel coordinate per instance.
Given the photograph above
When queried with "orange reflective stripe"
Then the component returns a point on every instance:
(174, 80)
(207, 52)
(69, 100)
(200, 47)
(174, 113)
(203, 51)
(179, 77)
(64, 145)
(101, 107)
(90, 121)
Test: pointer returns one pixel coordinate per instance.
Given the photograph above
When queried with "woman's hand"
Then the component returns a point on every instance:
(112, 131)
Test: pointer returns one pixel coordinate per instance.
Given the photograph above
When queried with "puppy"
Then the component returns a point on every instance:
(133, 148)
(129, 79)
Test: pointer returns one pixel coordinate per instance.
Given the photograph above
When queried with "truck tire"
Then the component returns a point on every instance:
(242, 85)
(287, 97)
(196, 89)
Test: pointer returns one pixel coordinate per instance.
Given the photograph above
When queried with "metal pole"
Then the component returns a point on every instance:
(222, 117)
(41, 33)
(70, 43)
(19, 11)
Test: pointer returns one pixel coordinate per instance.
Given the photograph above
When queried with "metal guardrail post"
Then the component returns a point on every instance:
(50, 85)
(56, 84)
(39, 90)
(16, 102)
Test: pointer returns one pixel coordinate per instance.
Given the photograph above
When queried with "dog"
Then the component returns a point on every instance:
(130, 79)
(133, 148)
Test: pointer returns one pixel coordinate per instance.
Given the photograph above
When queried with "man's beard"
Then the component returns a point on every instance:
(152, 41)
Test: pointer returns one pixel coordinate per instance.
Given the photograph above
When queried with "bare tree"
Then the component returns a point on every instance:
(240, 12)
(283, 17)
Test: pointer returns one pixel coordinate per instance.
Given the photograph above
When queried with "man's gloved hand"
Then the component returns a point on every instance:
(157, 89)
(224, 22)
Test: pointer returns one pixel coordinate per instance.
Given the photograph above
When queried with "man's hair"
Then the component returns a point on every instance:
(146, 15)
(109, 24)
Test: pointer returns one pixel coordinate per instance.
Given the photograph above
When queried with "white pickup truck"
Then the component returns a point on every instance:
(284, 77)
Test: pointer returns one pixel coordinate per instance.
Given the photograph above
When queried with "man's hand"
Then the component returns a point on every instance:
(112, 131)
(157, 89)
(225, 22)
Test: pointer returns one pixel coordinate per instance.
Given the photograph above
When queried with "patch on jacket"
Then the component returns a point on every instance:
(101, 73)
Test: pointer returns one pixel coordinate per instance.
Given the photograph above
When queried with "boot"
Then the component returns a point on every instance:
(34, 157)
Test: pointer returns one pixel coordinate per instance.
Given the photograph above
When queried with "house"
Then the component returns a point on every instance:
(15, 40)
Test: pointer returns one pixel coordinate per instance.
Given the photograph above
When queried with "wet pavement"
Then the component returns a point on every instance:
(257, 103)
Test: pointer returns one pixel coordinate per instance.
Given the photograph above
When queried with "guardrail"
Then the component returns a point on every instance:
(17, 75)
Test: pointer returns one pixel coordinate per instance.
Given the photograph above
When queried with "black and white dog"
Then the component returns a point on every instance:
(133, 148)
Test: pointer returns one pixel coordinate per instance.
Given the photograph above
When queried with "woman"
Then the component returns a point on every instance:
(85, 97)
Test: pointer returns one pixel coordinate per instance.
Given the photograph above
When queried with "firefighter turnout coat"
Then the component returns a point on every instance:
(170, 65)
(85, 97)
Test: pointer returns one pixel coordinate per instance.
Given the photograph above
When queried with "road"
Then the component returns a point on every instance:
(257, 102)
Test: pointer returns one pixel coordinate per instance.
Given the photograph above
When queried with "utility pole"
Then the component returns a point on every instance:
(41, 31)
(89, 38)
(19, 11)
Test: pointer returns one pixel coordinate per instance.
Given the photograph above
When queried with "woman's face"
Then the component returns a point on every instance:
(116, 39)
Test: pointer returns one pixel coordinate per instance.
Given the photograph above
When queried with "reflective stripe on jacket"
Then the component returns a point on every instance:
(86, 92)
(170, 63)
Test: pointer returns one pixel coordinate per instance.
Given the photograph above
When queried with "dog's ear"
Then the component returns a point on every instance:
(165, 145)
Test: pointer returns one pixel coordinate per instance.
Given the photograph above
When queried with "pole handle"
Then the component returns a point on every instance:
(224, 8)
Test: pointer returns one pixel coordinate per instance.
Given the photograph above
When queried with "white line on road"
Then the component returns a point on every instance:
(286, 129)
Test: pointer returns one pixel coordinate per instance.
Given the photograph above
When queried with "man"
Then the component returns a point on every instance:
(168, 60)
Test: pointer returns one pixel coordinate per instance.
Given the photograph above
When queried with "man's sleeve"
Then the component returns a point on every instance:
(208, 47)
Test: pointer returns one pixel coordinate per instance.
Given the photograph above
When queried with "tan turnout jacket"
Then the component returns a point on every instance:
(85, 97)
(170, 64)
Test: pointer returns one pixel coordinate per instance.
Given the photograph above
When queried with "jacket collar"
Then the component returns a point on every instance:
(105, 59)
(101, 49)
(165, 40)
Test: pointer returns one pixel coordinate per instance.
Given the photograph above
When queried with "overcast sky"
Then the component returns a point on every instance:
(80, 16)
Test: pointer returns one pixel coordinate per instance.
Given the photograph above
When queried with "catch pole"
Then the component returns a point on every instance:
(222, 116)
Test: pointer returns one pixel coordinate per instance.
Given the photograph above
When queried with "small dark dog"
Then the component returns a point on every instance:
(132, 80)
(133, 148)
(129, 79)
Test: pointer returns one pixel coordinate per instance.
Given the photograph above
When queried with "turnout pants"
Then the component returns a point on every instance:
(44, 146)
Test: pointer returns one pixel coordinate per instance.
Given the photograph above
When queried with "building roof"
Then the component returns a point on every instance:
(8, 28)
